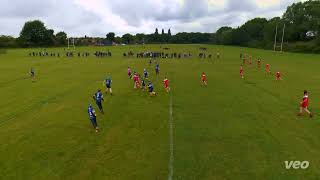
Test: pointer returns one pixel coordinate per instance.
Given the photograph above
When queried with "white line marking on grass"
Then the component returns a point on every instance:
(171, 158)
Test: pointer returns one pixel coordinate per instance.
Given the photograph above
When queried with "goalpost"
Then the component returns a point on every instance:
(275, 46)
(72, 44)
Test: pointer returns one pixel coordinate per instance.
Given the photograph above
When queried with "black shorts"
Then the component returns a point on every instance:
(99, 104)
(94, 122)
(108, 85)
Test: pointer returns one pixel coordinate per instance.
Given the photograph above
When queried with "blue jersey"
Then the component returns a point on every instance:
(91, 112)
(150, 86)
(99, 96)
(145, 74)
(157, 67)
(108, 82)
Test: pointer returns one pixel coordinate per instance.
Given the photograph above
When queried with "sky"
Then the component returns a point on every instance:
(98, 17)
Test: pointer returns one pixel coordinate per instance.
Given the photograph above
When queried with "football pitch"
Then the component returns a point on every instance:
(232, 129)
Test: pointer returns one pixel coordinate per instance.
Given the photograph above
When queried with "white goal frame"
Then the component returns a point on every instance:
(275, 46)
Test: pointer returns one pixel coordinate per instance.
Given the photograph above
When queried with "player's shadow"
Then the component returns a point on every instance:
(250, 82)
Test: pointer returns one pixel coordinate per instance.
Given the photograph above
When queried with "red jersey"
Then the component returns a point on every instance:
(305, 101)
(268, 66)
(278, 75)
(204, 77)
(241, 70)
(135, 78)
(166, 82)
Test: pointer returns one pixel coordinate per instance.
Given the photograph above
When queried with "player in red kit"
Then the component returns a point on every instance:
(304, 105)
(136, 81)
(268, 68)
(278, 76)
(204, 79)
(166, 84)
(241, 72)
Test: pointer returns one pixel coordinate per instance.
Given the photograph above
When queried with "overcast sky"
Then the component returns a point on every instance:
(98, 17)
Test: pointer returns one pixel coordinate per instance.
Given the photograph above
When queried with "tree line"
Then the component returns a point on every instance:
(301, 21)
(35, 34)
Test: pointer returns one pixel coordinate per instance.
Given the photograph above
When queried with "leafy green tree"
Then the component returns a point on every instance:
(318, 41)
(255, 27)
(61, 38)
(226, 37)
(34, 33)
(127, 38)
(269, 29)
(191, 38)
(50, 39)
(118, 40)
(111, 36)
(240, 37)
(7, 41)
(301, 18)
(140, 38)
(223, 35)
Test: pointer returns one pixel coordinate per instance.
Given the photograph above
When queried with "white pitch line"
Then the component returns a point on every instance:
(171, 158)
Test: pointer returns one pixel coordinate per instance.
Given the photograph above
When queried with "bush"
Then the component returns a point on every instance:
(7, 41)
(304, 47)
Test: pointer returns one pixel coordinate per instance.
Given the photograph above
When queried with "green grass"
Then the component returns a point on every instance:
(232, 129)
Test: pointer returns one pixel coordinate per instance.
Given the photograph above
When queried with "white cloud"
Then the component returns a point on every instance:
(98, 17)
(267, 3)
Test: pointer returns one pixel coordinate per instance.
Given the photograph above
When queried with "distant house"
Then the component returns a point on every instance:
(93, 41)
(103, 42)
(107, 42)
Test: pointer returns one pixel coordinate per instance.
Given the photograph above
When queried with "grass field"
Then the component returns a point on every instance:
(232, 129)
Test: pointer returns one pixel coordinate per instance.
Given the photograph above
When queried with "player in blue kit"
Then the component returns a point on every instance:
(32, 74)
(98, 97)
(145, 73)
(93, 118)
(151, 89)
(143, 84)
(157, 69)
(107, 82)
